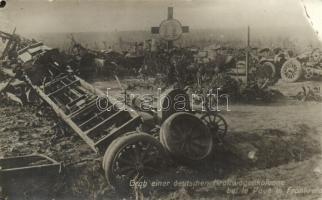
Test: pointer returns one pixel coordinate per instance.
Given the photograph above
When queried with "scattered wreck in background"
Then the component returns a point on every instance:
(56, 83)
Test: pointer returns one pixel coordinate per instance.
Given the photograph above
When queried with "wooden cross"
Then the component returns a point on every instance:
(170, 29)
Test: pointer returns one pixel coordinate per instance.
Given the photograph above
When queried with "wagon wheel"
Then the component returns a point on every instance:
(186, 137)
(291, 70)
(216, 123)
(132, 156)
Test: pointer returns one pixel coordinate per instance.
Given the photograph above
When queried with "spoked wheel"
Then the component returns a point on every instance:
(131, 157)
(186, 137)
(291, 70)
(216, 123)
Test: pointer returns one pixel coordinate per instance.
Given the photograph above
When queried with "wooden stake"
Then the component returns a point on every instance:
(247, 53)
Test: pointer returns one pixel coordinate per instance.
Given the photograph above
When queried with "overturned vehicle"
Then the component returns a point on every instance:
(88, 62)
(307, 65)
(133, 142)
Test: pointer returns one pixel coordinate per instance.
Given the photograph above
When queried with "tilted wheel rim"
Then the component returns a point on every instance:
(291, 70)
(271, 67)
(132, 157)
(216, 123)
(187, 137)
(139, 159)
(265, 74)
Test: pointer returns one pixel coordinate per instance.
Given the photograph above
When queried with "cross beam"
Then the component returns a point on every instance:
(170, 12)
(170, 25)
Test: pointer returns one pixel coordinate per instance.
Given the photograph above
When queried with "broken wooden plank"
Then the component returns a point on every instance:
(95, 116)
(63, 88)
(119, 105)
(61, 114)
(98, 126)
(118, 131)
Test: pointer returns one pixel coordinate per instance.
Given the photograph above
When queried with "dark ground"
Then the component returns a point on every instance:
(286, 137)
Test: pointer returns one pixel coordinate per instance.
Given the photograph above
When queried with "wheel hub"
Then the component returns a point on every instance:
(290, 71)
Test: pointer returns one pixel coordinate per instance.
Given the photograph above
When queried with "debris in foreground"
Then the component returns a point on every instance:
(309, 94)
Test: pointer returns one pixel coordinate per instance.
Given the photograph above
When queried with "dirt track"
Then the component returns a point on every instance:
(287, 136)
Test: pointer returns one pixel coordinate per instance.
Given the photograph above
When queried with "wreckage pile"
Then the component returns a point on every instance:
(132, 142)
(243, 79)
(106, 125)
(309, 94)
(89, 63)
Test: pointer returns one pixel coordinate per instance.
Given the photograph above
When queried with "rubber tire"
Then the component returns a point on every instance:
(297, 76)
(163, 138)
(273, 78)
(117, 145)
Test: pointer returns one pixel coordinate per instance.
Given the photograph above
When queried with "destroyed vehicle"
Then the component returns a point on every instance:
(271, 63)
(40, 62)
(307, 65)
(263, 65)
(91, 62)
(116, 131)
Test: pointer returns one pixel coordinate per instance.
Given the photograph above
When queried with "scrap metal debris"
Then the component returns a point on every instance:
(309, 94)
(38, 70)
(307, 65)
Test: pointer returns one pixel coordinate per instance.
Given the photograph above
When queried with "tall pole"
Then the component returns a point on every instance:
(169, 45)
(170, 16)
(247, 53)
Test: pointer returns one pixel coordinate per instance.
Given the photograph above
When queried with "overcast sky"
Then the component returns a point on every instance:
(109, 15)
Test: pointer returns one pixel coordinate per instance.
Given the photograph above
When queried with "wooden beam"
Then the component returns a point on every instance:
(98, 126)
(170, 12)
(119, 131)
(95, 116)
(83, 109)
(61, 114)
(54, 82)
(64, 88)
(247, 53)
(118, 105)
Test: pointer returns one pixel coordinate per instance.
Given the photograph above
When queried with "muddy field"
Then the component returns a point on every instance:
(281, 141)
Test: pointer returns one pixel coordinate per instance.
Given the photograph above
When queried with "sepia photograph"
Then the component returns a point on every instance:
(160, 99)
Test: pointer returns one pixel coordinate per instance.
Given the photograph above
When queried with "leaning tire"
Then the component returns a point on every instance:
(270, 69)
(265, 74)
(186, 137)
(135, 155)
(216, 124)
(271, 72)
(291, 71)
